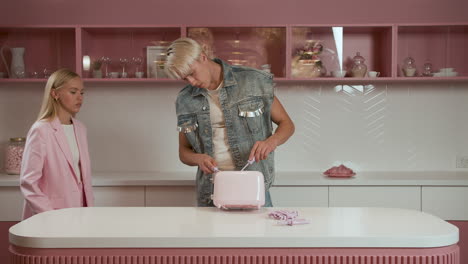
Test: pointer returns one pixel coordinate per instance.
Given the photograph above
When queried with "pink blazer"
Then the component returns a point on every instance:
(48, 180)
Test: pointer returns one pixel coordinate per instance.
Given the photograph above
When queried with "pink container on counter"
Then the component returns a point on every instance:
(239, 190)
(14, 155)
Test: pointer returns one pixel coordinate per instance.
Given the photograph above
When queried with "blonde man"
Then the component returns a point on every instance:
(56, 171)
(225, 116)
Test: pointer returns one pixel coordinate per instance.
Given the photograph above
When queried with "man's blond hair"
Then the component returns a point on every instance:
(180, 56)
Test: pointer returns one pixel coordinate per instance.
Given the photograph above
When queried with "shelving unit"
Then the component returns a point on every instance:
(444, 46)
(384, 46)
(249, 46)
(341, 43)
(124, 42)
(46, 48)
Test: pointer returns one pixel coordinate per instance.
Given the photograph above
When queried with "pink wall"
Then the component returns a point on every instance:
(209, 12)
(215, 12)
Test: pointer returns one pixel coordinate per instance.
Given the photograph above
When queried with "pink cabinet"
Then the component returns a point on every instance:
(332, 48)
(121, 52)
(289, 52)
(257, 47)
(45, 50)
(442, 46)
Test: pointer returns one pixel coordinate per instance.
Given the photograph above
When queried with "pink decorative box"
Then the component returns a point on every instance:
(239, 190)
(340, 171)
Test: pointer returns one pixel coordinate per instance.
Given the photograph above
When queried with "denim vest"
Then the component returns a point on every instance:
(246, 99)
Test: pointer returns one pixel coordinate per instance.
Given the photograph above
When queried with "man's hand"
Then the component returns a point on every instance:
(262, 149)
(206, 163)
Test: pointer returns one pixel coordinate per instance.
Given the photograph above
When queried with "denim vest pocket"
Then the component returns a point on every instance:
(251, 111)
(188, 125)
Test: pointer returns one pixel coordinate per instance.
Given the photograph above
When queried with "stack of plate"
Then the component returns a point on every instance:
(445, 72)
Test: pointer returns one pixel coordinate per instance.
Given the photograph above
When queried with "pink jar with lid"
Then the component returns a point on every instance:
(14, 155)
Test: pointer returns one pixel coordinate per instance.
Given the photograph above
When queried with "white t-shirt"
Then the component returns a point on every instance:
(71, 138)
(222, 153)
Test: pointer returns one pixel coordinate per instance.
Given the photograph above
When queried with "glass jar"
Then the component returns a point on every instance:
(14, 155)
(427, 72)
(409, 67)
(359, 69)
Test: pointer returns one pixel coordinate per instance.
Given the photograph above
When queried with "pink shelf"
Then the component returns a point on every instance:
(339, 80)
(383, 46)
(249, 46)
(27, 80)
(48, 48)
(443, 46)
(132, 80)
(373, 42)
(320, 79)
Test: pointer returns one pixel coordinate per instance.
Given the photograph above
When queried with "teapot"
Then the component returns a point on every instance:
(16, 69)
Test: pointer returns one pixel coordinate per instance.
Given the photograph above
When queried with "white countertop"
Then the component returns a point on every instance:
(195, 227)
(417, 178)
(161, 178)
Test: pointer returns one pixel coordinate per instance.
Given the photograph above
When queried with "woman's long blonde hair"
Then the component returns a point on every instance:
(56, 81)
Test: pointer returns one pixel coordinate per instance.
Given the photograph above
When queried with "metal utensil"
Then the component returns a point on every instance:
(249, 162)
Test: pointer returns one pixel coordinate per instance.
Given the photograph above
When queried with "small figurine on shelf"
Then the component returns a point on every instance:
(138, 61)
(96, 66)
(307, 63)
(409, 67)
(427, 72)
(359, 69)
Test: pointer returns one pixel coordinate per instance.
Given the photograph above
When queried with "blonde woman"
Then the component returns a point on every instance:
(56, 171)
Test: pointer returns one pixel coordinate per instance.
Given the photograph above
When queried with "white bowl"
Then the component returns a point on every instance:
(447, 70)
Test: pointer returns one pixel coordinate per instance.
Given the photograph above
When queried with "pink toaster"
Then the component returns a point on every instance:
(239, 190)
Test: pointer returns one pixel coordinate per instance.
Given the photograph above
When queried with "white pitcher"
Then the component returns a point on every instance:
(16, 69)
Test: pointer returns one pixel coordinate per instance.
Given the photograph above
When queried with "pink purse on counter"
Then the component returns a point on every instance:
(239, 190)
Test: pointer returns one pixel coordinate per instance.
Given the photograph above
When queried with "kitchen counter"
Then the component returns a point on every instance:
(160, 178)
(210, 232)
(194, 227)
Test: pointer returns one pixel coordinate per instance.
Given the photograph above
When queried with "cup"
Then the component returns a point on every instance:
(410, 72)
(339, 74)
(373, 74)
(113, 75)
(139, 74)
(124, 75)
